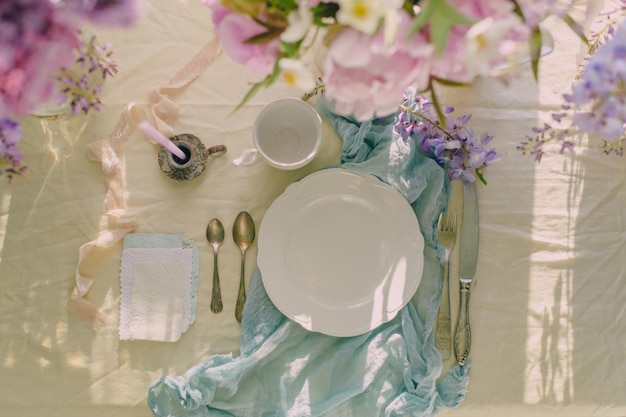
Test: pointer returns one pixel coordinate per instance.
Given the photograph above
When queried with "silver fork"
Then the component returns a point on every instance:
(446, 236)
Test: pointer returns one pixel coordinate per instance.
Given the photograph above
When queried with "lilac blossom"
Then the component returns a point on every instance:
(451, 142)
(601, 87)
(82, 88)
(597, 101)
(103, 12)
(10, 153)
(33, 43)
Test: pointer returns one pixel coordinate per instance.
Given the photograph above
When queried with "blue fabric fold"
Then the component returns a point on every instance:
(285, 370)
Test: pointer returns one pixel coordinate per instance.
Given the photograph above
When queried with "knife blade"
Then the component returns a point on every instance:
(468, 252)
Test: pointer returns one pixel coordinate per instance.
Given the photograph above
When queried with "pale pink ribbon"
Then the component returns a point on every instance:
(119, 219)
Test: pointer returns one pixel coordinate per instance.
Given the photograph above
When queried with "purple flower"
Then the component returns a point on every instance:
(82, 88)
(453, 143)
(39, 37)
(104, 12)
(601, 85)
(10, 153)
(597, 102)
(34, 43)
(38, 40)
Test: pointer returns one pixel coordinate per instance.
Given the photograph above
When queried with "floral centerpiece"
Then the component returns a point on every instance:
(375, 49)
(40, 40)
(378, 48)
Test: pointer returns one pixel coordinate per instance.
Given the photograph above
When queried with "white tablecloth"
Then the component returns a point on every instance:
(548, 316)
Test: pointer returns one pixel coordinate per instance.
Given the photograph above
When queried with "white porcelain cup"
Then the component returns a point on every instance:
(287, 133)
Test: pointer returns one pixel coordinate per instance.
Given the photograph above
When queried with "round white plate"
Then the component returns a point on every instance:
(340, 253)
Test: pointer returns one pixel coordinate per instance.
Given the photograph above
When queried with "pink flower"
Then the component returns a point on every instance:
(452, 64)
(366, 78)
(33, 45)
(234, 29)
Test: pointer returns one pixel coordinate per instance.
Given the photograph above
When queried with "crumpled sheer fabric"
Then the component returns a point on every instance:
(285, 370)
(119, 219)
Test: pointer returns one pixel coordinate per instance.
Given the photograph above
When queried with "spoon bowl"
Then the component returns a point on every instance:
(243, 234)
(215, 237)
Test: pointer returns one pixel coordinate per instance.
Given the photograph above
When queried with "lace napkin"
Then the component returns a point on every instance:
(159, 286)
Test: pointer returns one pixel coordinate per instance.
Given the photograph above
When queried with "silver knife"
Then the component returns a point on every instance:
(468, 257)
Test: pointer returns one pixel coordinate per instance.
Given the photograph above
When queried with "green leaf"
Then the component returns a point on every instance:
(576, 27)
(535, 41)
(289, 50)
(264, 37)
(517, 9)
(450, 83)
(255, 89)
(266, 82)
(283, 4)
(322, 11)
(440, 17)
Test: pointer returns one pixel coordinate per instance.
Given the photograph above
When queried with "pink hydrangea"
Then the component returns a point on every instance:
(233, 29)
(366, 78)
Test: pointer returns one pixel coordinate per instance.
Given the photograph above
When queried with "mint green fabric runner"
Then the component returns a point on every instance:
(284, 370)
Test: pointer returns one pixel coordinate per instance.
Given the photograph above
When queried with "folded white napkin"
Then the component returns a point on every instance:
(158, 279)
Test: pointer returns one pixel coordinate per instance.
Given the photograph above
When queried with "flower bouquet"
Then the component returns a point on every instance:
(40, 41)
(376, 48)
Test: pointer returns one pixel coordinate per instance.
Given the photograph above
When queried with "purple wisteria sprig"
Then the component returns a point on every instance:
(451, 142)
(596, 104)
(81, 84)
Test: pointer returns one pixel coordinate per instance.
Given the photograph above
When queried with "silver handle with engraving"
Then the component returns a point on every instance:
(463, 334)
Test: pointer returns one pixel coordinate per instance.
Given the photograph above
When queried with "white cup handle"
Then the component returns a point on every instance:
(248, 157)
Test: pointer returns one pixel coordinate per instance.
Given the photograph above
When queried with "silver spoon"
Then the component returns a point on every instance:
(215, 236)
(243, 234)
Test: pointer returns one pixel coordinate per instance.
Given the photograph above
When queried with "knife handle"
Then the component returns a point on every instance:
(462, 334)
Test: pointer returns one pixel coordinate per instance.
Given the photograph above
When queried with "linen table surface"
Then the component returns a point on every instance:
(548, 316)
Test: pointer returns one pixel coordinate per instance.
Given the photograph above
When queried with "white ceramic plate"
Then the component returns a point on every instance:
(340, 253)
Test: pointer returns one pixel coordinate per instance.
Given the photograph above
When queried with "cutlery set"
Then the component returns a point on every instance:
(243, 235)
(468, 258)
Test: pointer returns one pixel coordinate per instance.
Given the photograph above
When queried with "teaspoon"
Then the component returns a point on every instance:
(215, 236)
(243, 234)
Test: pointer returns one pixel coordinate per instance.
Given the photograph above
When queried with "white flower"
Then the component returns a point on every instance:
(300, 20)
(363, 15)
(294, 73)
(491, 43)
(392, 20)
